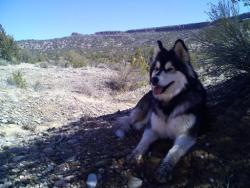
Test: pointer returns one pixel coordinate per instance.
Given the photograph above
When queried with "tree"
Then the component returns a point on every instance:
(246, 2)
(227, 40)
(8, 47)
(75, 59)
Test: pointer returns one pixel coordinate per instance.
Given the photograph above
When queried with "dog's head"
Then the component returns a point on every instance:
(170, 71)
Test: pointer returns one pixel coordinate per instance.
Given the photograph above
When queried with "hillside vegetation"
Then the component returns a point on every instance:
(8, 47)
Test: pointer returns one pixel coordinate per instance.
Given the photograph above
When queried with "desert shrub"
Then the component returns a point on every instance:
(38, 86)
(227, 40)
(31, 128)
(75, 59)
(2, 134)
(121, 81)
(138, 62)
(31, 56)
(3, 62)
(44, 65)
(131, 75)
(17, 79)
(25, 56)
(197, 59)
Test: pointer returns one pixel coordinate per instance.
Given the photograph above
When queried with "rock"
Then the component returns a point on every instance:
(101, 170)
(60, 183)
(134, 182)
(50, 168)
(15, 170)
(6, 184)
(48, 151)
(18, 158)
(69, 178)
(91, 180)
(4, 121)
(211, 180)
(38, 121)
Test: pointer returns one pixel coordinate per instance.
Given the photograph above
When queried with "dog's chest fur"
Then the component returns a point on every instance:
(171, 127)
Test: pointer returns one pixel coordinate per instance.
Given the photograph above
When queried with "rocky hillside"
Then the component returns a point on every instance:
(125, 41)
(99, 42)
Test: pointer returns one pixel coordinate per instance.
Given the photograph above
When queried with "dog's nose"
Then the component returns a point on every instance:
(154, 80)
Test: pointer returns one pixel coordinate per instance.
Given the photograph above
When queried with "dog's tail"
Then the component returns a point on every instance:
(133, 121)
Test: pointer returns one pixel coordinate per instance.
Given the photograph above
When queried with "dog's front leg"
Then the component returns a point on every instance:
(149, 136)
(181, 145)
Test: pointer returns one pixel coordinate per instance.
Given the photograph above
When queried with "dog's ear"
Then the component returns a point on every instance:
(181, 51)
(160, 45)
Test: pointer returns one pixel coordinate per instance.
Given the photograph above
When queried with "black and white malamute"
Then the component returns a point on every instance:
(173, 108)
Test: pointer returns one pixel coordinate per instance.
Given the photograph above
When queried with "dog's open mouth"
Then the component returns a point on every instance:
(157, 90)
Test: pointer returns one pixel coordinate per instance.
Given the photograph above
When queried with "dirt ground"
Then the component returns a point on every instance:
(54, 97)
(64, 156)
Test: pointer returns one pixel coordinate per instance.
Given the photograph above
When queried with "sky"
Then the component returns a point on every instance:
(46, 19)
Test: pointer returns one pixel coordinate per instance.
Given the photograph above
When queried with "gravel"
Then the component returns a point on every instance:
(59, 135)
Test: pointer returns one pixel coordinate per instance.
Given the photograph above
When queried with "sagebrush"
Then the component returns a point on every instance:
(17, 79)
(131, 75)
(227, 39)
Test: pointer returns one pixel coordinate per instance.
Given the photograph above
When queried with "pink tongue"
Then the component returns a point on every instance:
(157, 90)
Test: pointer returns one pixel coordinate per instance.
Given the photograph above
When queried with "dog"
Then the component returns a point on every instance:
(174, 108)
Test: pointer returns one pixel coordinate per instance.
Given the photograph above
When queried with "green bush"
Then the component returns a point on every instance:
(31, 56)
(75, 59)
(227, 40)
(17, 79)
(8, 47)
(139, 63)
(3, 62)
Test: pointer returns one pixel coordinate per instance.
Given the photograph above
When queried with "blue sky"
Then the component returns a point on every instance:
(44, 19)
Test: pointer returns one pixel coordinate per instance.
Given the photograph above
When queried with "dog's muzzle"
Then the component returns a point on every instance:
(157, 90)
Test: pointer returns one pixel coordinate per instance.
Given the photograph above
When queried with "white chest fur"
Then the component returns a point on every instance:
(172, 127)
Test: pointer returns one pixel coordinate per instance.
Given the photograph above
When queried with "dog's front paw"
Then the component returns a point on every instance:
(134, 157)
(164, 173)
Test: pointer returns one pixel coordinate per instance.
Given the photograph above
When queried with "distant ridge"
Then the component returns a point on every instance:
(180, 27)
(116, 41)
(159, 29)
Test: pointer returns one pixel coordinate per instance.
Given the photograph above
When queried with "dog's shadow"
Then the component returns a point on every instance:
(68, 154)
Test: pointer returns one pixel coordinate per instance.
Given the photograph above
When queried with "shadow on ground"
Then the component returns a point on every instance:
(64, 157)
